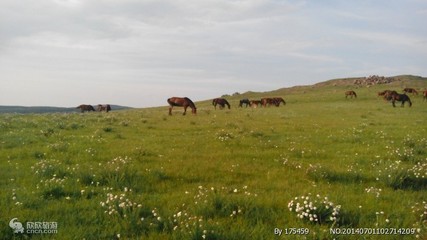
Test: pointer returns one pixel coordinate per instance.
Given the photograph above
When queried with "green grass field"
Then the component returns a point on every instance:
(321, 162)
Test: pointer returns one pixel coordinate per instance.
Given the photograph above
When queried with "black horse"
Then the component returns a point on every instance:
(181, 102)
(221, 102)
(400, 98)
(244, 101)
(86, 108)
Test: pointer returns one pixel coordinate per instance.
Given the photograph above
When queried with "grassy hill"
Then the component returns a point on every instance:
(44, 109)
(319, 162)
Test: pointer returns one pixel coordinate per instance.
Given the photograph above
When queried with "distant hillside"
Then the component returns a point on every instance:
(395, 82)
(45, 109)
(330, 87)
(371, 80)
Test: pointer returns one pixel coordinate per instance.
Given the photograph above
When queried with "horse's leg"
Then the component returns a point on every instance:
(185, 110)
(170, 110)
(392, 101)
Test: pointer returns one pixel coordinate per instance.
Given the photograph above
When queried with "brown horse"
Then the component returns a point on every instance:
(221, 102)
(103, 107)
(388, 95)
(351, 94)
(255, 103)
(383, 93)
(181, 102)
(244, 101)
(86, 108)
(410, 90)
(272, 101)
(400, 98)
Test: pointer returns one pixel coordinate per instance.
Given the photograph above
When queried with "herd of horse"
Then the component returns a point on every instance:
(388, 95)
(393, 96)
(99, 108)
(185, 102)
(222, 103)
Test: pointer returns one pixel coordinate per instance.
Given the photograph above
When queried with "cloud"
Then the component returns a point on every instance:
(133, 48)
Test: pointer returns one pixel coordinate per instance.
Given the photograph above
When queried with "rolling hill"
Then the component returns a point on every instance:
(46, 109)
(396, 83)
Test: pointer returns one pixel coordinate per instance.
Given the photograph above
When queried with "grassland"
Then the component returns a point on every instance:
(320, 162)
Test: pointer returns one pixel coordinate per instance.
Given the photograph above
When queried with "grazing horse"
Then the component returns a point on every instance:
(181, 102)
(221, 102)
(103, 107)
(272, 101)
(255, 103)
(410, 90)
(244, 101)
(401, 98)
(278, 100)
(267, 101)
(351, 94)
(86, 108)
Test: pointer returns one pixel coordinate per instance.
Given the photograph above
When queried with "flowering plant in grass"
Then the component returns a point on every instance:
(315, 209)
(420, 211)
(119, 204)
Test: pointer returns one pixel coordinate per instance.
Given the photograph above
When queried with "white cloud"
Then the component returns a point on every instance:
(200, 48)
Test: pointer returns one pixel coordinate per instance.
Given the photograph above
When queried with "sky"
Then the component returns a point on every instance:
(138, 53)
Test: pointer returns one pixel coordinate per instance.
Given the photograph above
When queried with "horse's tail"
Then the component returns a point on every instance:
(213, 102)
(355, 95)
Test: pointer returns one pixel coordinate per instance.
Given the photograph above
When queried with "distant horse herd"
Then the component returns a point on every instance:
(99, 108)
(222, 102)
(388, 95)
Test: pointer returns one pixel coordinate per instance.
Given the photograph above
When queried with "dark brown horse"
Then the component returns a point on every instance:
(244, 101)
(272, 101)
(181, 102)
(351, 94)
(400, 98)
(86, 108)
(221, 102)
(278, 100)
(410, 90)
(103, 107)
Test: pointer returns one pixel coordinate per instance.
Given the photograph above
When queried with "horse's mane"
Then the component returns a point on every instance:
(190, 102)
